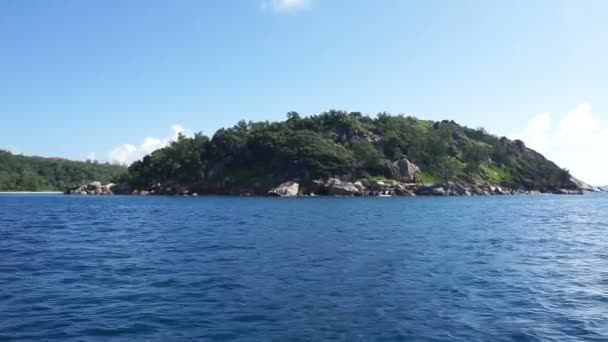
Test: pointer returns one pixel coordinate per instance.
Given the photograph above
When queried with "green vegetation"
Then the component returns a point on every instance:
(21, 173)
(497, 175)
(257, 155)
(427, 178)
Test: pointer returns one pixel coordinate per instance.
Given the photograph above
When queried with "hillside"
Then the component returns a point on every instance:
(23, 173)
(254, 157)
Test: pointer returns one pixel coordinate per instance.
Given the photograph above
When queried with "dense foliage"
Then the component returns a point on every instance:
(348, 145)
(22, 173)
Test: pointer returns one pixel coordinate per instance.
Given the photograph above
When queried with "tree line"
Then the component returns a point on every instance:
(25, 173)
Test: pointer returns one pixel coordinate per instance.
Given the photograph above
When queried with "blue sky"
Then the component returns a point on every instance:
(118, 78)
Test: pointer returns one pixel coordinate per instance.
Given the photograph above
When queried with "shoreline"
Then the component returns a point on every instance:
(296, 196)
(245, 195)
(30, 192)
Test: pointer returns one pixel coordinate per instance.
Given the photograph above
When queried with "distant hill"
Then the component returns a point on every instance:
(24, 173)
(253, 157)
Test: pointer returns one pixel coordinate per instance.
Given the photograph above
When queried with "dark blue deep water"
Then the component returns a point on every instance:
(521, 268)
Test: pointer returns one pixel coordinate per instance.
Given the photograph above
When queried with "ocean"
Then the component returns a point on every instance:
(122, 268)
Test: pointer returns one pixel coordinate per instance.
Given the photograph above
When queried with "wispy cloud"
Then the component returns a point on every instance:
(128, 153)
(285, 6)
(11, 150)
(577, 140)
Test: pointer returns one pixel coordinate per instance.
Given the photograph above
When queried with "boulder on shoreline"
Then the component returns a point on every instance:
(403, 170)
(338, 188)
(403, 190)
(92, 188)
(286, 189)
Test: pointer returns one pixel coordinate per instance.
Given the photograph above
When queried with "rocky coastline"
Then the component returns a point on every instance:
(335, 187)
(404, 181)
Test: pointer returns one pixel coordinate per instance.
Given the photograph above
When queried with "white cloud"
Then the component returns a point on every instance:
(128, 153)
(124, 154)
(283, 6)
(577, 141)
(92, 156)
(537, 130)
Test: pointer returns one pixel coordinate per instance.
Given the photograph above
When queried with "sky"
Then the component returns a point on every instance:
(113, 80)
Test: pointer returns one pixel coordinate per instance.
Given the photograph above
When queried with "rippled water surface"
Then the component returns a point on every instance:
(522, 268)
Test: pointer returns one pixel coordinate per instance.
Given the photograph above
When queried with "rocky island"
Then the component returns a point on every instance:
(347, 154)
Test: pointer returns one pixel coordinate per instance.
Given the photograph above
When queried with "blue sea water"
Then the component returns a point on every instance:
(518, 268)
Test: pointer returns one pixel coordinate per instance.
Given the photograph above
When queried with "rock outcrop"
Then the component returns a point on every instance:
(584, 186)
(336, 187)
(462, 189)
(92, 188)
(360, 186)
(402, 190)
(569, 192)
(403, 170)
(287, 189)
(431, 190)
